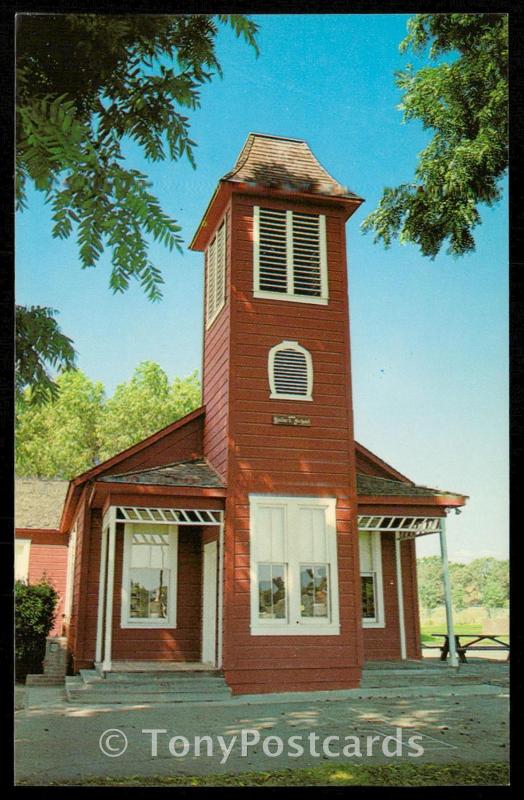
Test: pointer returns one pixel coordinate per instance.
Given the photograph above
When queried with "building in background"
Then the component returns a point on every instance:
(41, 549)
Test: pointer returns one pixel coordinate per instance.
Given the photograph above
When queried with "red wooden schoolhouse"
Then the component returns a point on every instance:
(255, 536)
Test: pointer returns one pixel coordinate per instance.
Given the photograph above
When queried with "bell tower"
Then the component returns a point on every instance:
(279, 419)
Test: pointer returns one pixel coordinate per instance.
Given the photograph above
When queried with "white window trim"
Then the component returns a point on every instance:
(21, 564)
(125, 620)
(376, 550)
(264, 294)
(212, 271)
(70, 575)
(288, 345)
(295, 624)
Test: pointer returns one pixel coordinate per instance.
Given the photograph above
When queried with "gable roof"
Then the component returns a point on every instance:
(76, 485)
(136, 448)
(363, 454)
(284, 163)
(197, 472)
(38, 503)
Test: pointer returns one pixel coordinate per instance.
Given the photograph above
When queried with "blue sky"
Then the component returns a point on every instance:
(428, 338)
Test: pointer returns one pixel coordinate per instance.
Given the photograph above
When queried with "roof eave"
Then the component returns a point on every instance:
(226, 186)
(446, 500)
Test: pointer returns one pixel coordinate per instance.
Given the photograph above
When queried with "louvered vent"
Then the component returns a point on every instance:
(290, 255)
(216, 274)
(290, 372)
(307, 276)
(272, 252)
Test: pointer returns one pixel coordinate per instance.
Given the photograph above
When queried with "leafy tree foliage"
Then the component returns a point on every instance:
(35, 606)
(463, 100)
(429, 576)
(144, 405)
(493, 578)
(40, 345)
(85, 84)
(61, 438)
(482, 582)
(81, 427)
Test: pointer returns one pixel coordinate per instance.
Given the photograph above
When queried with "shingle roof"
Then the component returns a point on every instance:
(196, 473)
(38, 503)
(285, 164)
(371, 485)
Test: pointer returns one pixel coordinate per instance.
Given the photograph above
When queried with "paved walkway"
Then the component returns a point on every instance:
(58, 742)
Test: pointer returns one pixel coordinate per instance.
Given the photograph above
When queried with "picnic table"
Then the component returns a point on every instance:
(462, 647)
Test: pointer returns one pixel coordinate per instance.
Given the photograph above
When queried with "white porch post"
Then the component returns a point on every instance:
(101, 593)
(400, 599)
(447, 593)
(106, 665)
(220, 619)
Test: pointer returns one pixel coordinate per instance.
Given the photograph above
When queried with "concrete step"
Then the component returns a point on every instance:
(149, 677)
(411, 672)
(154, 688)
(384, 680)
(402, 666)
(90, 688)
(81, 697)
(142, 679)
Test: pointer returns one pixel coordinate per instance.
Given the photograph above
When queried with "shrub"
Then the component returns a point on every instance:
(35, 606)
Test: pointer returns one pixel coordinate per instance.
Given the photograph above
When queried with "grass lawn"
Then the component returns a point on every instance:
(493, 774)
(427, 630)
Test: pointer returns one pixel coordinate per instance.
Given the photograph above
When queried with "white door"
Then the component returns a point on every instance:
(209, 603)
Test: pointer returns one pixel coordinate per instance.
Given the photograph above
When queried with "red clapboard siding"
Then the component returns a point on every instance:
(263, 458)
(216, 361)
(48, 560)
(179, 445)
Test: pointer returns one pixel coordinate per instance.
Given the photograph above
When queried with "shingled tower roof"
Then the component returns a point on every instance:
(283, 163)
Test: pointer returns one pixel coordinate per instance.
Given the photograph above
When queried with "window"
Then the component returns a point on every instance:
(293, 555)
(371, 579)
(272, 591)
(216, 275)
(149, 576)
(290, 370)
(314, 590)
(22, 549)
(289, 249)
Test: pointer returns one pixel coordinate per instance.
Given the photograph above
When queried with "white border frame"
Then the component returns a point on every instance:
(295, 625)
(125, 621)
(289, 345)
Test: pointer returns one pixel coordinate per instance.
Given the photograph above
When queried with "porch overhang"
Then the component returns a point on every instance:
(441, 501)
(106, 494)
(405, 526)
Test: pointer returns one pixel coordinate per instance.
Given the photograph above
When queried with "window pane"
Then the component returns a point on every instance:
(149, 576)
(366, 551)
(271, 591)
(367, 583)
(149, 593)
(314, 590)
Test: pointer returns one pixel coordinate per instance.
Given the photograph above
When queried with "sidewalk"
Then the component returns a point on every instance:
(57, 741)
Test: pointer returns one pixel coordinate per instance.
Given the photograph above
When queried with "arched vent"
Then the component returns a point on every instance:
(290, 372)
